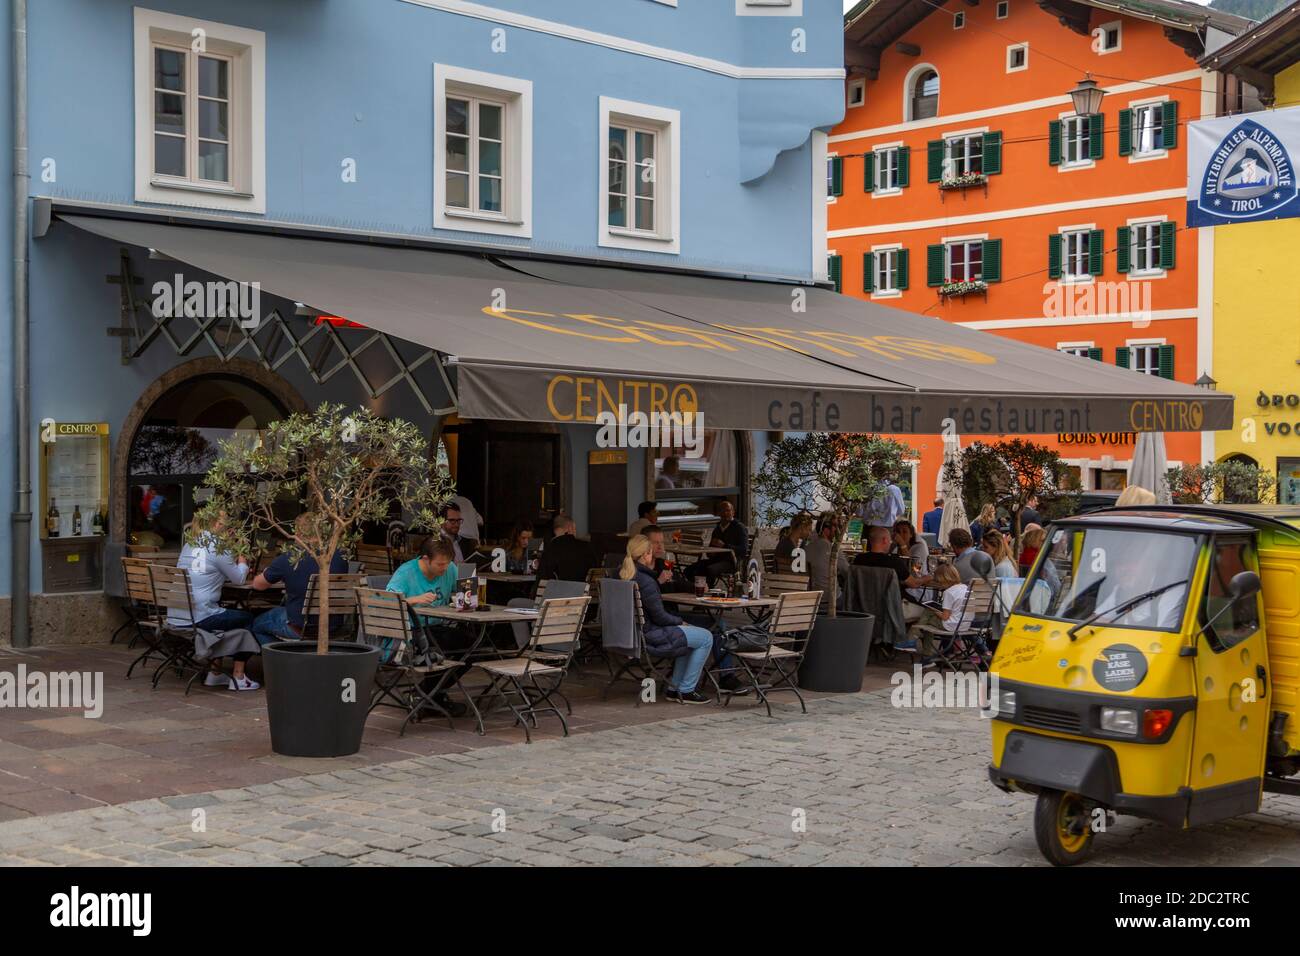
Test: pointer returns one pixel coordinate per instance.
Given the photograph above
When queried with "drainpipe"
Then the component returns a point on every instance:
(20, 520)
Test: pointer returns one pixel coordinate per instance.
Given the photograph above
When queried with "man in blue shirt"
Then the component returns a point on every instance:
(429, 580)
(285, 623)
(931, 520)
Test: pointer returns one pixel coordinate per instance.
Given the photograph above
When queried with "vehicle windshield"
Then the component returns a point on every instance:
(1088, 571)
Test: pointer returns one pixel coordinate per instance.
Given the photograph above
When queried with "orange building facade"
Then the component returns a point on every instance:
(964, 185)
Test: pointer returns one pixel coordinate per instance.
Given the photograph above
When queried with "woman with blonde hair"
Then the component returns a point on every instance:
(1135, 495)
(209, 570)
(988, 518)
(997, 547)
(1031, 542)
(667, 635)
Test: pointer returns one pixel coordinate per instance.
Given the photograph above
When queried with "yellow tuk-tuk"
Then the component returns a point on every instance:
(1151, 666)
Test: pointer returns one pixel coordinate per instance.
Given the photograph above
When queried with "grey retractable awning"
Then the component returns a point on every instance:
(535, 340)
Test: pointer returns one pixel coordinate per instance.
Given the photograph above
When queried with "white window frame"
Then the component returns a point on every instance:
(516, 95)
(889, 253)
(1002, 10)
(1077, 349)
(831, 198)
(666, 124)
(968, 244)
(1153, 345)
(959, 20)
(769, 8)
(967, 136)
(1067, 119)
(1152, 223)
(1082, 235)
(859, 87)
(880, 152)
(246, 51)
(1010, 50)
(1141, 156)
(1118, 27)
(909, 83)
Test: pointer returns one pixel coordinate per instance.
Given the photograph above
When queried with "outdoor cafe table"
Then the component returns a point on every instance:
(243, 595)
(482, 619)
(715, 607)
(507, 578)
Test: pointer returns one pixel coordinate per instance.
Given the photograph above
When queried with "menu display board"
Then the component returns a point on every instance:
(74, 479)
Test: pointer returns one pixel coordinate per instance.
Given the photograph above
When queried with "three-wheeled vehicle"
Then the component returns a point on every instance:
(1151, 666)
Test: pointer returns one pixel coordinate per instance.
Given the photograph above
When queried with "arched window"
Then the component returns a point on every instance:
(923, 101)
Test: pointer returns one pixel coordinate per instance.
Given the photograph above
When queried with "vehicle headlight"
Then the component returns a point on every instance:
(1119, 720)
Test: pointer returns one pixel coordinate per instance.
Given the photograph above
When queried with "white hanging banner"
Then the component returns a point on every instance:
(1240, 168)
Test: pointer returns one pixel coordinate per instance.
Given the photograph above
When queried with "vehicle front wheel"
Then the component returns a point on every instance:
(1063, 827)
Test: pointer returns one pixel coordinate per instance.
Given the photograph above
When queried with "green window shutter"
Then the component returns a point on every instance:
(900, 269)
(1096, 131)
(1096, 252)
(833, 271)
(869, 172)
(934, 265)
(992, 160)
(934, 160)
(1121, 357)
(1169, 134)
(1054, 256)
(1124, 237)
(991, 270)
(868, 271)
(1125, 132)
(904, 161)
(837, 176)
(1094, 354)
(1166, 358)
(1167, 247)
(1054, 142)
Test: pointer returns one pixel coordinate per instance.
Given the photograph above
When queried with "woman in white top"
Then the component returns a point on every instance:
(997, 547)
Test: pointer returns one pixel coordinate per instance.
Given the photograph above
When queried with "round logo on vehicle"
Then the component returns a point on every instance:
(1120, 667)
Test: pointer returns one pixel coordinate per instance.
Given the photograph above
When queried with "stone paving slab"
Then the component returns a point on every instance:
(873, 785)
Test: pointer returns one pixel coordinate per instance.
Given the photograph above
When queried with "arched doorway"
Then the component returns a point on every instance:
(171, 438)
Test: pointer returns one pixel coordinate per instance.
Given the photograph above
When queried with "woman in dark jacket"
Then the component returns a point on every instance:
(667, 635)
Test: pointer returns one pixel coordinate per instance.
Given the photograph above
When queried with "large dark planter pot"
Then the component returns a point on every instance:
(305, 696)
(837, 653)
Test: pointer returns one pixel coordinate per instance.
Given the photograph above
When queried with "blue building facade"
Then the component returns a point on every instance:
(681, 135)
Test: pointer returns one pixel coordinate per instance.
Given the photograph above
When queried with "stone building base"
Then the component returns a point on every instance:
(88, 617)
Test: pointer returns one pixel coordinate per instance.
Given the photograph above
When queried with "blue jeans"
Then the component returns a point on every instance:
(228, 620)
(273, 625)
(688, 668)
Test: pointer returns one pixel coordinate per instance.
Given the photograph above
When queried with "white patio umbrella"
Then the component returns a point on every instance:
(1149, 465)
(954, 509)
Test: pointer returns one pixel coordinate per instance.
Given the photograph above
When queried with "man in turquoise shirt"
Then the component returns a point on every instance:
(430, 580)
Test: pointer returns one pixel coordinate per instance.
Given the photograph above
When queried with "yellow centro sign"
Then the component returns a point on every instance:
(580, 398)
(1171, 415)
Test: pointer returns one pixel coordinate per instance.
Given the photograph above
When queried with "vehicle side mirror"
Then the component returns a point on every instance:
(1244, 584)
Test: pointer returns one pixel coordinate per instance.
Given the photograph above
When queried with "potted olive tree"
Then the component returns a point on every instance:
(838, 474)
(340, 469)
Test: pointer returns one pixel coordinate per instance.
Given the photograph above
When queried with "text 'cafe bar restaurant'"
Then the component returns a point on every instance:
(509, 359)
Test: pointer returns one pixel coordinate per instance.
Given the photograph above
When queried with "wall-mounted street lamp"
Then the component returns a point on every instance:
(1087, 96)
(1206, 382)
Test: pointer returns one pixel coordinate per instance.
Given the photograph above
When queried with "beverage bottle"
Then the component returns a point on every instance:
(76, 520)
(97, 522)
(52, 520)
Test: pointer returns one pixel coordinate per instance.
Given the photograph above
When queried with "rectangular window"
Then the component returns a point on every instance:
(475, 152)
(963, 154)
(1079, 351)
(192, 116)
(1148, 128)
(633, 175)
(958, 20)
(887, 169)
(1017, 57)
(1075, 140)
(965, 261)
(1074, 258)
(1145, 248)
(857, 93)
(1145, 359)
(885, 269)
(1003, 8)
(1111, 36)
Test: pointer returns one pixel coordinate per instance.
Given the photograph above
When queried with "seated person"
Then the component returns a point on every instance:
(877, 556)
(647, 513)
(517, 550)
(209, 570)
(285, 623)
(818, 549)
(666, 634)
(565, 556)
(730, 534)
(948, 617)
(429, 580)
(1031, 542)
(800, 530)
(996, 546)
(668, 575)
(452, 521)
(966, 559)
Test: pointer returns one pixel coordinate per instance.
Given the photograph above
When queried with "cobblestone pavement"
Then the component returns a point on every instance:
(876, 786)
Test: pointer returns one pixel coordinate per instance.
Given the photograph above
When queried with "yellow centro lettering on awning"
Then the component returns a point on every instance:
(933, 351)
(797, 336)
(582, 398)
(550, 398)
(684, 400)
(1153, 415)
(611, 323)
(510, 315)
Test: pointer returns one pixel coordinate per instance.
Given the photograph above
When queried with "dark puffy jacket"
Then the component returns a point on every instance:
(663, 634)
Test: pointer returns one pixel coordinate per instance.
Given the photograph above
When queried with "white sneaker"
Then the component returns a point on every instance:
(243, 683)
(216, 679)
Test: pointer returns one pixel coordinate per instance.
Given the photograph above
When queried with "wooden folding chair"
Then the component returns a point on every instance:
(343, 602)
(776, 584)
(776, 667)
(768, 561)
(640, 665)
(143, 614)
(967, 646)
(400, 681)
(526, 683)
(590, 649)
(172, 592)
(374, 558)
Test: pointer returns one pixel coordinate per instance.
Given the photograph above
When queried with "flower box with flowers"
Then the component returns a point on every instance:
(950, 290)
(963, 181)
